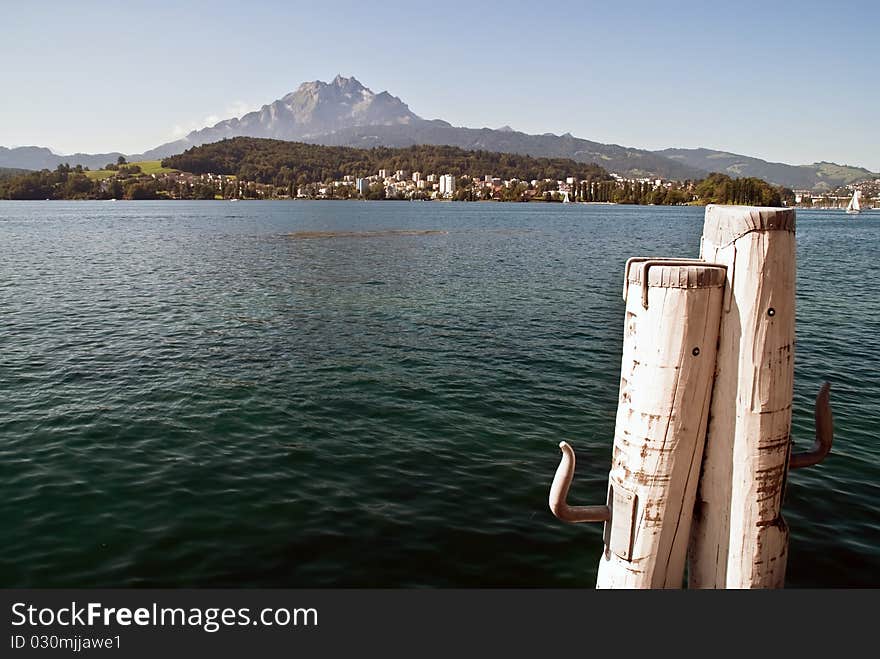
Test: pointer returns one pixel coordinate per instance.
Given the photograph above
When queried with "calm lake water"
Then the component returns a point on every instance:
(191, 397)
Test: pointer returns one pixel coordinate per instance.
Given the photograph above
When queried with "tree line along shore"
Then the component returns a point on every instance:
(256, 168)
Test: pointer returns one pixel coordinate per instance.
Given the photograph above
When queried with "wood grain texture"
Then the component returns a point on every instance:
(665, 389)
(739, 538)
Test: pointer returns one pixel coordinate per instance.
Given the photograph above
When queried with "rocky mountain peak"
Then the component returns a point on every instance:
(314, 108)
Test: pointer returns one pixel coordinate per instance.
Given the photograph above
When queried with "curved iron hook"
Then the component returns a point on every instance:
(559, 492)
(824, 433)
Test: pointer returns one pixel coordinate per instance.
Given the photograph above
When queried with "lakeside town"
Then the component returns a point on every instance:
(417, 186)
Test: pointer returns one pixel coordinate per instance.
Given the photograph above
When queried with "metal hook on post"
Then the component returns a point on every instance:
(824, 432)
(559, 492)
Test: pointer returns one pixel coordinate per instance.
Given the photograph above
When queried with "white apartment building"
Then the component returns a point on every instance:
(447, 185)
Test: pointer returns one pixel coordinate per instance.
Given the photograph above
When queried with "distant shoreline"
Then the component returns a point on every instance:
(371, 201)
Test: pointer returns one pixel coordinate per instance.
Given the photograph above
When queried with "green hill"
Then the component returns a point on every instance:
(147, 167)
(282, 163)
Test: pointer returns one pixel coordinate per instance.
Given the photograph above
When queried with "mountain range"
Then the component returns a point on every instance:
(344, 112)
(820, 176)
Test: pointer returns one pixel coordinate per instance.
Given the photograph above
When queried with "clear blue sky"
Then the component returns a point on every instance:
(788, 81)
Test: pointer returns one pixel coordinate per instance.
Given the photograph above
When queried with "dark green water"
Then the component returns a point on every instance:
(190, 397)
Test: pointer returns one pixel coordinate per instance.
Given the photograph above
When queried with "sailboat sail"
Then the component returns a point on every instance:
(854, 206)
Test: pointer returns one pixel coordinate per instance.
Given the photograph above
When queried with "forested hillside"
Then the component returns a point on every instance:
(284, 163)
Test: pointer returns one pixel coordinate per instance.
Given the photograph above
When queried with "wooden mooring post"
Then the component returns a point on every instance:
(700, 436)
(740, 539)
(673, 309)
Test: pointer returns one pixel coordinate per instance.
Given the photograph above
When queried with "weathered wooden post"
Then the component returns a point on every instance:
(737, 298)
(740, 539)
(673, 309)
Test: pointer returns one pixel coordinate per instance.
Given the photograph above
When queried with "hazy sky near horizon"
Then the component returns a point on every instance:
(794, 82)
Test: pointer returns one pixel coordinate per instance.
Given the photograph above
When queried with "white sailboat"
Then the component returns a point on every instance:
(565, 199)
(854, 207)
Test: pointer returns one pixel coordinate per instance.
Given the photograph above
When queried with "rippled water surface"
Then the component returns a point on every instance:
(190, 396)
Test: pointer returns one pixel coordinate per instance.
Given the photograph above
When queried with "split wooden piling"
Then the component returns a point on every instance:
(740, 539)
(673, 308)
(672, 314)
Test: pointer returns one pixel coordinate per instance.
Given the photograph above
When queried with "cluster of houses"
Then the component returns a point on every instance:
(401, 184)
(180, 185)
(396, 185)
